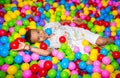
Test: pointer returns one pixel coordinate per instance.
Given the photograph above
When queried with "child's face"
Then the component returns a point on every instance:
(38, 35)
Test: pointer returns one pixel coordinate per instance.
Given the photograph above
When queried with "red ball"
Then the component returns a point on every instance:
(83, 26)
(42, 72)
(100, 57)
(48, 65)
(87, 18)
(34, 68)
(82, 73)
(62, 39)
(37, 13)
(78, 69)
(97, 48)
(2, 14)
(96, 15)
(1, 6)
(118, 75)
(113, 8)
(34, 76)
(23, 15)
(106, 24)
(90, 11)
(100, 22)
(90, 2)
(95, 22)
(3, 33)
(33, 8)
(20, 40)
(43, 46)
(30, 19)
(8, 34)
(14, 45)
(116, 54)
(94, 4)
(77, 14)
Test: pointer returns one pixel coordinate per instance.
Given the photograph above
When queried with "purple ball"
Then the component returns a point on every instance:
(54, 67)
(37, 18)
(118, 60)
(107, 33)
(1, 20)
(42, 23)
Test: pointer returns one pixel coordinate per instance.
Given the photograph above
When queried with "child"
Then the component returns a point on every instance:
(73, 35)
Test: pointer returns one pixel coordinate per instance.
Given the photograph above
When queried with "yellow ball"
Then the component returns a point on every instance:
(28, 12)
(32, 26)
(9, 76)
(92, 19)
(63, 17)
(85, 43)
(55, 4)
(94, 52)
(93, 57)
(55, 60)
(52, 20)
(20, 4)
(17, 12)
(110, 68)
(32, 23)
(98, 28)
(22, 31)
(86, 12)
(96, 75)
(113, 33)
(12, 70)
(115, 12)
(19, 0)
(112, 75)
(7, 18)
(72, 8)
(51, 11)
(25, 66)
(17, 35)
(113, 28)
(82, 5)
(69, 18)
(67, 70)
(37, 44)
(102, 28)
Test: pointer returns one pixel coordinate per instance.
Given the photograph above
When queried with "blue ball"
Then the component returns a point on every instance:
(117, 42)
(14, 8)
(42, 57)
(18, 59)
(1, 47)
(4, 52)
(41, 10)
(102, 11)
(48, 31)
(118, 32)
(7, 45)
(47, 42)
(47, 7)
(4, 39)
(64, 65)
(58, 74)
(78, 55)
(104, 51)
(82, 65)
(65, 60)
(48, 58)
(89, 68)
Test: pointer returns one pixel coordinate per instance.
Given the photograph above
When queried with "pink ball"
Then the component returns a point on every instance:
(106, 60)
(87, 49)
(98, 1)
(74, 72)
(76, 49)
(41, 63)
(96, 69)
(96, 63)
(82, 17)
(4, 67)
(72, 24)
(99, 5)
(54, 52)
(19, 22)
(73, 0)
(60, 55)
(71, 66)
(26, 7)
(78, 1)
(109, 3)
(11, 29)
(67, 13)
(113, 24)
(23, 11)
(119, 11)
(35, 56)
(27, 73)
(105, 74)
(26, 58)
(21, 53)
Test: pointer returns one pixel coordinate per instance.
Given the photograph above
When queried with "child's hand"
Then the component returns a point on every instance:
(22, 46)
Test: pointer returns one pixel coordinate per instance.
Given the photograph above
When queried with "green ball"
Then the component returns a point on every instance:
(93, 30)
(39, 4)
(74, 76)
(17, 66)
(101, 34)
(1, 61)
(114, 48)
(25, 22)
(57, 18)
(10, 38)
(110, 56)
(64, 74)
(63, 46)
(2, 74)
(17, 28)
(7, 1)
(18, 74)
(68, 51)
(84, 57)
(59, 67)
(9, 60)
(78, 7)
(58, 13)
(13, 53)
(72, 13)
(71, 57)
(11, 23)
(5, 27)
(107, 47)
(86, 76)
(2, 2)
(102, 66)
(50, 2)
(52, 73)
(18, 18)
(7, 8)
(47, 14)
(40, 27)
(115, 65)
(33, 62)
(90, 25)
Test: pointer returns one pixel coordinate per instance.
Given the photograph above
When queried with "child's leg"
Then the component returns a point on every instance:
(103, 41)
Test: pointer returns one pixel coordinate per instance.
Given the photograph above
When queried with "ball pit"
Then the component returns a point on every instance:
(99, 16)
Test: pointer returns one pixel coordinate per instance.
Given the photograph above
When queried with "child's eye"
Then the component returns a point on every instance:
(38, 32)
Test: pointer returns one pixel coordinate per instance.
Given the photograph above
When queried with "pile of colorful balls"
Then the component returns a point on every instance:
(99, 16)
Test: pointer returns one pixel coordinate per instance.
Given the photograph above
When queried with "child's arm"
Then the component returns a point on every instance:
(23, 46)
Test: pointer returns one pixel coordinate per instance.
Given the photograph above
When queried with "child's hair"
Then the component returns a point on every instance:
(28, 36)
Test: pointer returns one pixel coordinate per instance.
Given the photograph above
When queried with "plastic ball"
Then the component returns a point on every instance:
(76, 49)
(4, 52)
(27, 73)
(82, 65)
(118, 75)
(74, 76)
(33, 8)
(34, 68)
(96, 75)
(84, 57)
(12, 70)
(20, 40)
(106, 60)
(48, 31)
(54, 67)
(18, 74)
(2, 74)
(51, 73)
(42, 72)
(3, 33)
(86, 76)
(71, 66)
(85, 43)
(26, 58)
(34, 56)
(62, 39)
(87, 49)
(25, 66)
(48, 65)
(78, 55)
(100, 57)
(116, 54)
(19, 22)
(64, 74)
(60, 55)
(55, 60)
(109, 68)
(74, 72)
(14, 45)
(105, 74)
(22, 31)
(4, 67)
(4, 39)
(9, 60)
(18, 59)
(89, 68)
(41, 23)
(96, 69)
(104, 51)
(43, 46)
(54, 52)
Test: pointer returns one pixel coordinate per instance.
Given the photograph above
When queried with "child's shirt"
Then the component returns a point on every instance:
(74, 35)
